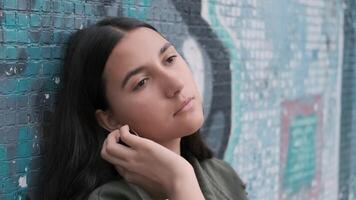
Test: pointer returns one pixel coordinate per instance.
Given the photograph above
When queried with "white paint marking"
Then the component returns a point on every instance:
(23, 181)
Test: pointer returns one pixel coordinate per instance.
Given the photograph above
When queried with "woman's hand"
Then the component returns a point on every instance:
(150, 165)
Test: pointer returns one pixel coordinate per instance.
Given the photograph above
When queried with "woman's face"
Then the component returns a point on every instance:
(150, 87)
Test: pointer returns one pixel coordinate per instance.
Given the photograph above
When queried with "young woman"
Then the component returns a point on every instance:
(127, 122)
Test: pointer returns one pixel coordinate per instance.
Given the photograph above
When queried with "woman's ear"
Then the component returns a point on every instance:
(106, 120)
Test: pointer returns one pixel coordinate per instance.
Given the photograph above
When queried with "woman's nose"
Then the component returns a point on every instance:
(172, 84)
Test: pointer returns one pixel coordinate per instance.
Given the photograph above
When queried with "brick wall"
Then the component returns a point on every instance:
(277, 77)
(347, 169)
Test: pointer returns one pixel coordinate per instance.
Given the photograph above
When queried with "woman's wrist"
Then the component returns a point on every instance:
(186, 186)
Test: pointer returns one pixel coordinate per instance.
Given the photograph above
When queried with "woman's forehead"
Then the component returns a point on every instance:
(138, 40)
(135, 48)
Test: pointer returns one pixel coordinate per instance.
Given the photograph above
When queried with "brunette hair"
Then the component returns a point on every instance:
(72, 163)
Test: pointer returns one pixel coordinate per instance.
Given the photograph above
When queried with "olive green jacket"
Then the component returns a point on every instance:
(217, 180)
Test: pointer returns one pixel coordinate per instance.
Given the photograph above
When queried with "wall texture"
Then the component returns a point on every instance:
(278, 79)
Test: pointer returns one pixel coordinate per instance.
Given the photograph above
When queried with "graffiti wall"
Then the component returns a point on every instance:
(347, 167)
(277, 77)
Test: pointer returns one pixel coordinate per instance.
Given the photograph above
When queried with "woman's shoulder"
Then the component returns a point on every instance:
(118, 189)
(215, 166)
(224, 176)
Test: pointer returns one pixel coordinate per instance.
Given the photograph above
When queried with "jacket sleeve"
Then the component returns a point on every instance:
(116, 190)
(227, 178)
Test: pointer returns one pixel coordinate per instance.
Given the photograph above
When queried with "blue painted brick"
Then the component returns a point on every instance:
(34, 52)
(21, 117)
(4, 168)
(22, 4)
(11, 52)
(35, 116)
(10, 195)
(22, 165)
(57, 36)
(36, 5)
(2, 17)
(1, 37)
(10, 35)
(11, 102)
(79, 23)
(46, 52)
(88, 9)
(49, 68)
(2, 123)
(10, 118)
(66, 35)
(23, 20)
(100, 10)
(10, 4)
(11, 134)
(10, 18)
(2, 102)
(32, 68)
(68, 22)
(111, 10)
(47, 21)
(8, 86)
(2, 52)
(22, 36)
(68, 7)
(35, 20)
(3, 152)
(56, 52)
(38, 84)
(23, 85)
(79, 8)
(33, 100)
(22, 101)
(21, 53)
(47, 6)
(46, 37)
(24, 133)
(34, 36)
(58, 6)
(4, 87)
(57, 21)
(11, 149)
(3, 137)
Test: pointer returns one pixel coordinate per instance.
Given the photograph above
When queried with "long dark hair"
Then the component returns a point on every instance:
(72, 163)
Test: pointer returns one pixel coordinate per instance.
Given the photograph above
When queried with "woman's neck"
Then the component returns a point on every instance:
(173, 145)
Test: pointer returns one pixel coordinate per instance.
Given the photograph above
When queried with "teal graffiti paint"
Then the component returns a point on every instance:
(235, 68)
(301, 159)
(139, 10)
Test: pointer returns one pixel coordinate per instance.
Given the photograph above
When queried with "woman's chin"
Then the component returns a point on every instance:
(194, 126)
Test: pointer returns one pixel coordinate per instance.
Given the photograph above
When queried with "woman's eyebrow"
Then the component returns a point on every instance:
(141, 68)
(164, 48)
(132, 73)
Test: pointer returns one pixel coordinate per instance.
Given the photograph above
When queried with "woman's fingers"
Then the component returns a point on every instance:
(112, 159)
(112, 149)
(132, 140)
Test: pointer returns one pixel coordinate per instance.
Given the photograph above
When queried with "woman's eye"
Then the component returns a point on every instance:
(171, 59)
(141, 83)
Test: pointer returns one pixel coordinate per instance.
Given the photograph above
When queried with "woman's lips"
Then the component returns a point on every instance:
(185, 106)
